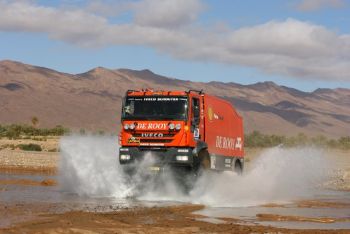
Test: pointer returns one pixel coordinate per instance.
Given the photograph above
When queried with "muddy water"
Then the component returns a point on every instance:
(18, 188)
(289, 215)
(25, 197)
(276, 189)
(329, 210)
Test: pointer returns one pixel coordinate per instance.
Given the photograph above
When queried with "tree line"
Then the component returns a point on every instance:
(257, 139)
(15, 131)
(254, 139)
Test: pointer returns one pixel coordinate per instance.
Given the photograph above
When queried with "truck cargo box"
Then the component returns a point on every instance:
(224, 128)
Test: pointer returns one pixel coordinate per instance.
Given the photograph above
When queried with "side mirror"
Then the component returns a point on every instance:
(127, 109)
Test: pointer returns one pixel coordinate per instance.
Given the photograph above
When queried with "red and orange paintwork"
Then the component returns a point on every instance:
(218, 118)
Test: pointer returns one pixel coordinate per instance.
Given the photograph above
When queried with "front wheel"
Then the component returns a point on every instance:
(204, 161)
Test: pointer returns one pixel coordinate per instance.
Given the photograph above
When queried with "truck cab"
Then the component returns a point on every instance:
(173, 127)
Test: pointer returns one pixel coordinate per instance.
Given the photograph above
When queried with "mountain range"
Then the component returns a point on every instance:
(92, 100)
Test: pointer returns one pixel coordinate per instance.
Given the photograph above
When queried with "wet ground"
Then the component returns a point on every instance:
(86, 193)
(26, 197)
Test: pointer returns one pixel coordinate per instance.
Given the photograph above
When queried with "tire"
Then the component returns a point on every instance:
(204, 160)
(184, 178)
(237, 167)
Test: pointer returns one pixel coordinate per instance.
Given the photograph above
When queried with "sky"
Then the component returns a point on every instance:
(304, 44)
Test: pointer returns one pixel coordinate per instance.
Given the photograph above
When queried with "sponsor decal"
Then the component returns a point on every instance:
(133, 140)
(228, 143)
(151, 134)
(160, 99)
(152, 126)
(196, 134)
(218, 117)
(210, 113)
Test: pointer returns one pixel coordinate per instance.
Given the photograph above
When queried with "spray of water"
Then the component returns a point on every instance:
(89, 166)
(278, 175)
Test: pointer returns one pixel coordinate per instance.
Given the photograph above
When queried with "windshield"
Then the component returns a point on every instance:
(156, 108)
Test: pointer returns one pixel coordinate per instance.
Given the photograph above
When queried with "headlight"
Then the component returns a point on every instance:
(132, 126)
(125, 157)
(181, 158)
(178, 126)
(126, 126)
(171, 126)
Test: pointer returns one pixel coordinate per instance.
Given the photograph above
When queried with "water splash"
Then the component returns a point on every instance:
(89, 166)
(278, 175)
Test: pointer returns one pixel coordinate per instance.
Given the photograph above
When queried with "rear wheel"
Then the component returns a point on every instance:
(237, 167)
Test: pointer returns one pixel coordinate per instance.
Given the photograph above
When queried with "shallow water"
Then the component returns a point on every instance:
(249, 214)
(90, 179)
(61, 201)
(17, 194)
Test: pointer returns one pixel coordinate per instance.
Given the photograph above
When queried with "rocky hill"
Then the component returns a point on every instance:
(92, 100)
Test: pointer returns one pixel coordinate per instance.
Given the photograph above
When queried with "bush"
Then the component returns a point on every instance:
(15, 131)
(257, 139)
(344, 142)
(30, 147)
(10, 146)
(82, 131)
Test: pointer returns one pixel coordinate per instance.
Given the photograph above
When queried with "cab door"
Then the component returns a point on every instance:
(197, 120)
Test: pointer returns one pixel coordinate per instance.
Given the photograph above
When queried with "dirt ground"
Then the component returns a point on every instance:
(43, 217)
(175, 219)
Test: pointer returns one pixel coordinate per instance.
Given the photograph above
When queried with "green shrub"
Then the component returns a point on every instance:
(344, 142)
(30, 147)
(82, 131)
(257, 139)
(10, 146)
(15, 131)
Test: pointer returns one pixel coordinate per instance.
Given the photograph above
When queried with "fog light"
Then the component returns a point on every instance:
(125, 157)
(132, 126)
(171, 126)
(178, 126)
(124, 149)
(182, 158)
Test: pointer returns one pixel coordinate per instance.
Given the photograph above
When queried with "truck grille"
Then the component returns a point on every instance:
(156, 140)
(164, 135)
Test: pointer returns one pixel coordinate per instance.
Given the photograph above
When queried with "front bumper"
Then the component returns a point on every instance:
(159, 156)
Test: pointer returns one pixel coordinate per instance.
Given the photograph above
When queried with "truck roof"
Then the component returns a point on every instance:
(149, 92)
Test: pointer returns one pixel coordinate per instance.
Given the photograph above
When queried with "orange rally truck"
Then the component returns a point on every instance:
(187, 129)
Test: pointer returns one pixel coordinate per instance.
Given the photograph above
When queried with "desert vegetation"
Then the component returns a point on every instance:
(16, 131)
(254, 139)
(258, 139)
(29, 147)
